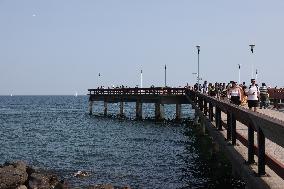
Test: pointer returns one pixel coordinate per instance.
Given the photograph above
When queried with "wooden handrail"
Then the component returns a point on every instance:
(138, 91)
(276, 93)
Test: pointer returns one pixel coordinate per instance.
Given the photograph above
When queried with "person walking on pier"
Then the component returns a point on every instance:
(253, 94)
(263, 96)
(235, 94)
(212, 90)
(205, 87)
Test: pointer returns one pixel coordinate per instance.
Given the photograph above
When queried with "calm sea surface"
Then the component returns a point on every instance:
(56, 133)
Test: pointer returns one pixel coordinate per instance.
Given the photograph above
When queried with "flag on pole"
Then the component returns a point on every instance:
(239, 66)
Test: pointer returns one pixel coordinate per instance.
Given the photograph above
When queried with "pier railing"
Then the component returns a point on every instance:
(157, 95)
(273, 93)
(138, 91)
(263, 125)
(276, 93)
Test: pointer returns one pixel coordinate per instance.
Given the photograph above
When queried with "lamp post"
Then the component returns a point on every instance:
(239, 73)
(99, 82)
(198, 78)
(165, 75)
(141, 79)
(252, 67)
(256, 74)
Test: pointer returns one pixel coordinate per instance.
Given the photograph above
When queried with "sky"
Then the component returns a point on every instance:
(59, 47)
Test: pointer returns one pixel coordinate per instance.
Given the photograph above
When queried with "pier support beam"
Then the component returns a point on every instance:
(210, 111)
(139, 110)
(196, 118)
(218, 118)
(261, 152)
(159, 111)
(121, 109)
(105, 108)
(229, 126)
(233, 129)
(200, 103)
(250, 144)
(178, 111)
(203, 126)
(205, 108)
(91, 107)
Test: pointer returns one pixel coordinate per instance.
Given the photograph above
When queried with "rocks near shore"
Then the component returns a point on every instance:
(19, 175)
(13, 175)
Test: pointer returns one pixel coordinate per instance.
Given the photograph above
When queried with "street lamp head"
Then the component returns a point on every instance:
(251, 47)
(198, 48)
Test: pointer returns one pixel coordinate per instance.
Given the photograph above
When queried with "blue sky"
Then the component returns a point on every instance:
(60, 46)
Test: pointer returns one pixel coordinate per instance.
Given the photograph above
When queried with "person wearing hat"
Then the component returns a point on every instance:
(253, 94)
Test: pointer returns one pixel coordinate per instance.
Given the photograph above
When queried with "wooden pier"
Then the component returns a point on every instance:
(216, 116)
(159, 96)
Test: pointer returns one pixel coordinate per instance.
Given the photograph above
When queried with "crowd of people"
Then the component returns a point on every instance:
(238, 94)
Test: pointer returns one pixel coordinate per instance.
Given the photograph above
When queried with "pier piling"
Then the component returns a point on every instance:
(159, 111)
(91, 107)
(178, 111)
(121, 109)
(138, 110)
(105, 108)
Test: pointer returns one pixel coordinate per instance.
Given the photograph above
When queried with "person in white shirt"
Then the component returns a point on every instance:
(235, 94)
(253, 94)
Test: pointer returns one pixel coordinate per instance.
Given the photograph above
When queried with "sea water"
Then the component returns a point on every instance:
(56, 133)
